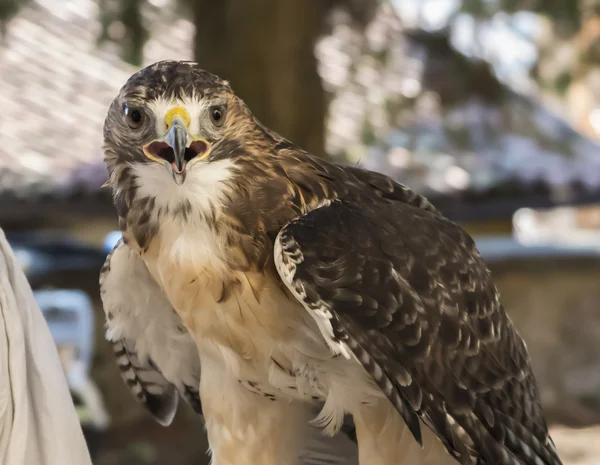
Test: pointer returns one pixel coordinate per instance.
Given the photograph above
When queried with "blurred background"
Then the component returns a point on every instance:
(489, 107)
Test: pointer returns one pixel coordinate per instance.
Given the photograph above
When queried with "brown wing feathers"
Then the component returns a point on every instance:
(413, 300)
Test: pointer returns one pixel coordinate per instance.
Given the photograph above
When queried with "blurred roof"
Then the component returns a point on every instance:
(465, 139)
(56, 84)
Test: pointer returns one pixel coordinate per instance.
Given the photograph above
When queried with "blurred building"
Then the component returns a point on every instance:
(403, 101)
(56, 83)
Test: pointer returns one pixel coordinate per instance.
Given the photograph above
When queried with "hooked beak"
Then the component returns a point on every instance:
(177, 138)
(177, 150)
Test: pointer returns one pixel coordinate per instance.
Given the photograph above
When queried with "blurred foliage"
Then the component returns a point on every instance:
(566, 14)
(567, 67)
(368, 135)
(210, 16)
(125, 19)
(570, 22)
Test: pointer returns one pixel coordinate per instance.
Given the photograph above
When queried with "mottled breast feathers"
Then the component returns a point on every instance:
(159, 361)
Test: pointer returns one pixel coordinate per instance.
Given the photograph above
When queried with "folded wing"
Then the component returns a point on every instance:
(156, 355)
(406, 293)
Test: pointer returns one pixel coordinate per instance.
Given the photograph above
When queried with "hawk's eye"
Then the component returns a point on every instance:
(217, 115)
(134, 117)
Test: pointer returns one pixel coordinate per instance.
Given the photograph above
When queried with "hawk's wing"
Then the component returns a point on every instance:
(156, 355)
(158, 358)
(407, 293)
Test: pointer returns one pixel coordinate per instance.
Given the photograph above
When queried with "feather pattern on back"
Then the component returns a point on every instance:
(406, 291)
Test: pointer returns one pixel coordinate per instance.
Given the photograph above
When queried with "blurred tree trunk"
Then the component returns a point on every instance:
(8, 10)
(265, 48)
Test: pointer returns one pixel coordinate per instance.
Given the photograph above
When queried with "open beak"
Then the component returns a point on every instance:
(177, 150)
(177, 138)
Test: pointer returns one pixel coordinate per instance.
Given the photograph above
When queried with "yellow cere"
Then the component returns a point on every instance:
(177, 111)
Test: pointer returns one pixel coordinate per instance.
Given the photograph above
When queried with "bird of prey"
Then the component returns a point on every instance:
(302, 283)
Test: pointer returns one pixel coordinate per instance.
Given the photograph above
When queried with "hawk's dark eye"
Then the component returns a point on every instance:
(134, 117)
(218, 115)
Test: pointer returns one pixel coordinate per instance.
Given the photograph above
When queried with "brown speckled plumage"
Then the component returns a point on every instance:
(402, 289)
(275, 181)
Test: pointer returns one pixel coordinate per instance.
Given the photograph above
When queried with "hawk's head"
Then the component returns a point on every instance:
(174, 115)
(178, 140)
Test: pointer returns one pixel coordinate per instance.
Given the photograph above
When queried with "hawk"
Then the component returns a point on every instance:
(301, 283)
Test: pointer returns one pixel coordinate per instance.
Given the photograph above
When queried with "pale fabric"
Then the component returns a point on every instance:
(38, 423)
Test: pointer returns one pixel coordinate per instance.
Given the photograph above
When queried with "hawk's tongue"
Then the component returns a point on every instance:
(176, 168)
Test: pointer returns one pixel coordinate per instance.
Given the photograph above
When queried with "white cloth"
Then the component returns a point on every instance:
(38, 422)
